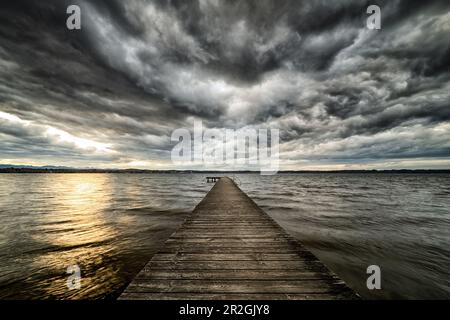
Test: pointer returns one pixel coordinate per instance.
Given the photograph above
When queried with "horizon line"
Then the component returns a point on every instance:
(9, 168)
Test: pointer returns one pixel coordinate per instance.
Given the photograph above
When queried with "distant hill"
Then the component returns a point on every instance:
(6, 166)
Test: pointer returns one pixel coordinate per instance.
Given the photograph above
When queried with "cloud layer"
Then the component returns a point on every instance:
(111, 94)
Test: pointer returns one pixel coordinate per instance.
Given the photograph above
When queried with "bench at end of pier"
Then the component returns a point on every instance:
(212, 179)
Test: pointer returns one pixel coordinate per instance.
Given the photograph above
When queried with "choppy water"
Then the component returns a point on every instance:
(111, 224)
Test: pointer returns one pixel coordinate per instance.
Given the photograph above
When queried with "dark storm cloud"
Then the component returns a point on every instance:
(139, 69)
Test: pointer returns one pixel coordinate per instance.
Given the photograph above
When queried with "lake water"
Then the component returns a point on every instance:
(111, 224)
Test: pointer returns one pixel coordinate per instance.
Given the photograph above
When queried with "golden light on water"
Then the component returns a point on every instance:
(81, 199)
(75, 229)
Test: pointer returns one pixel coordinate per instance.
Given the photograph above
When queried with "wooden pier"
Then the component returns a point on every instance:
(229, 248)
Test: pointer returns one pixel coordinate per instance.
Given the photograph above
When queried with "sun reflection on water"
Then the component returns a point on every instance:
(107, 224)
(76, 230)
(81, 200)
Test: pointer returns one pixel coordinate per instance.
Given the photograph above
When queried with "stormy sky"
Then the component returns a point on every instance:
(111, 94)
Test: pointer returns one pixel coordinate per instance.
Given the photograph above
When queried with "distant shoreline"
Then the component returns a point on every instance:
(138, 171)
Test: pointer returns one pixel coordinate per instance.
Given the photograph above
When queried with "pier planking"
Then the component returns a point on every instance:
(230, 249)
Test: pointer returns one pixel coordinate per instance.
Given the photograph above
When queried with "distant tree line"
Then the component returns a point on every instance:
(74, 170)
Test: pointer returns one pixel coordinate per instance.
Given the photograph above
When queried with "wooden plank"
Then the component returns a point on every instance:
(235, 286)
(234, 264)
(225, 257)
(230, 296)
(235, 240)
(228, 248)
(231, 274)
